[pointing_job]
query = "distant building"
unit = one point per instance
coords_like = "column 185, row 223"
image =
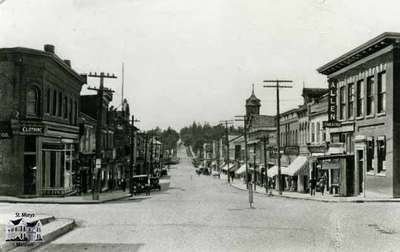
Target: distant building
column 39, row 104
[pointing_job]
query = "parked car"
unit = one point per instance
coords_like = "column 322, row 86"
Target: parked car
column 139, row 183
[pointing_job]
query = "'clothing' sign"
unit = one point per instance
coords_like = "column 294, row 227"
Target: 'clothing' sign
column 31, row 129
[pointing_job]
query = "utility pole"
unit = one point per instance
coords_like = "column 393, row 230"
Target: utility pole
column 265, row 141
column 277, row 86
column 96, row 187
column 245, row 119
column 226, row 122
column 133, row 154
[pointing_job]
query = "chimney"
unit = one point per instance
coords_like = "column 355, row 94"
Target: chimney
column 49, row 48
column 68, row 62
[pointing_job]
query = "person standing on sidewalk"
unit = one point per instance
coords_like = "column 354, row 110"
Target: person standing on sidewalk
column 313, row 183
column 322, row 182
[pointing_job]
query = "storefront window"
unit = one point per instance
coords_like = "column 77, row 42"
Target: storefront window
column 381, row 145
column 370, row 154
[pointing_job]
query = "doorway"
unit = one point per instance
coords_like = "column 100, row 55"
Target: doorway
column 360, row 163
column 30, row 174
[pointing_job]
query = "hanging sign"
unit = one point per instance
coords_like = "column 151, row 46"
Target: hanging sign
column 332, row 106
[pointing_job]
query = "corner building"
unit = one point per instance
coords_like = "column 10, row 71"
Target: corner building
column 363, row 85
column 39, row 104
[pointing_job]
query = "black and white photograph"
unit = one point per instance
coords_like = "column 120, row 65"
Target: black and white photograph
column 188, row 125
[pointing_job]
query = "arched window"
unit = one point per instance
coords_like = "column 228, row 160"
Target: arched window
column 32, row 101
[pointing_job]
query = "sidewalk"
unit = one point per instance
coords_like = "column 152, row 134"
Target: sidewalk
column 318, row 196
column 84, row 199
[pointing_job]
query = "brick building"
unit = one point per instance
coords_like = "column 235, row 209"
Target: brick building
column 364, row 114
column 39, row 104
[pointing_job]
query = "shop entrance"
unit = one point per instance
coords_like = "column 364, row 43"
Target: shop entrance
column 30, row 174
column 30, row 167
column 360, row 162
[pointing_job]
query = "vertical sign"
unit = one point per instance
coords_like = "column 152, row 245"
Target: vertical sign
column 332, row 101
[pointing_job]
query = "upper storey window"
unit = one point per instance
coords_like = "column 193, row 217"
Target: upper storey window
column 32, row 101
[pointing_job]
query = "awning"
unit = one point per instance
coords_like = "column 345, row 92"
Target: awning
column 273, row 171
column 241, row 170
column 233, row 168
column 252, row 142
column 297, row 166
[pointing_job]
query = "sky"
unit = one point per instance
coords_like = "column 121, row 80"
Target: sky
column 192, row 60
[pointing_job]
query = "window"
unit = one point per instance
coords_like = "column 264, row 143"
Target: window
column 370, row 95
column 60, row 100
column 312, row 132
column 48, row 101
column 54, row 102
column 360, row 97
column 70, row 111
column 381, row 145
column 318, row 131
column 370, row 153
column 32, row 101
column 342, row 102
column 65, row 107
column 351, row 100
column 76, row 113
column 381, row 92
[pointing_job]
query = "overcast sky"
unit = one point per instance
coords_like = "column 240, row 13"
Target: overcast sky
column 192, row 60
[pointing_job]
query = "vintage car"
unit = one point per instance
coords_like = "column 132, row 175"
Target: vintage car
column 139, row 183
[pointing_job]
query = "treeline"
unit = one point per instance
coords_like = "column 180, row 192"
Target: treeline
column 197, row 134
column 168, row 137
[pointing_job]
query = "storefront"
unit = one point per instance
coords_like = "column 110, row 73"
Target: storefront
column 49, row 157
column 339, row 172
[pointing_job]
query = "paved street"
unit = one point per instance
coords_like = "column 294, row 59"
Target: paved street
column 202, row 213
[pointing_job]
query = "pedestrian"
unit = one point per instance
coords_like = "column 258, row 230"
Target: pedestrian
column 123, row 184
column 313, row 182
column 322, row 182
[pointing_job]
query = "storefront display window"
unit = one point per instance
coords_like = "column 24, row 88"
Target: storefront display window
column 381, row 145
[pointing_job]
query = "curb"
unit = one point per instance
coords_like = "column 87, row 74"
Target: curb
column 326, row 200
column 65, row 202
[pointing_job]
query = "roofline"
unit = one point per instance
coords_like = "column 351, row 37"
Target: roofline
column 379, row 39
column 53, row 56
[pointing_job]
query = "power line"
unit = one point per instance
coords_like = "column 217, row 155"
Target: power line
column 278, row 86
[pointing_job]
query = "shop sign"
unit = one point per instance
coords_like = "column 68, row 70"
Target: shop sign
column 332, row 106
column 31, row 129
column 330, row 164
column 291, row 150
column 331, row 124
column 5, row 130
column 317, row 148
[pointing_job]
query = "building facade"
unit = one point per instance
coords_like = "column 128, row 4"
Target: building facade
column 363, row 113
column 39, row 106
